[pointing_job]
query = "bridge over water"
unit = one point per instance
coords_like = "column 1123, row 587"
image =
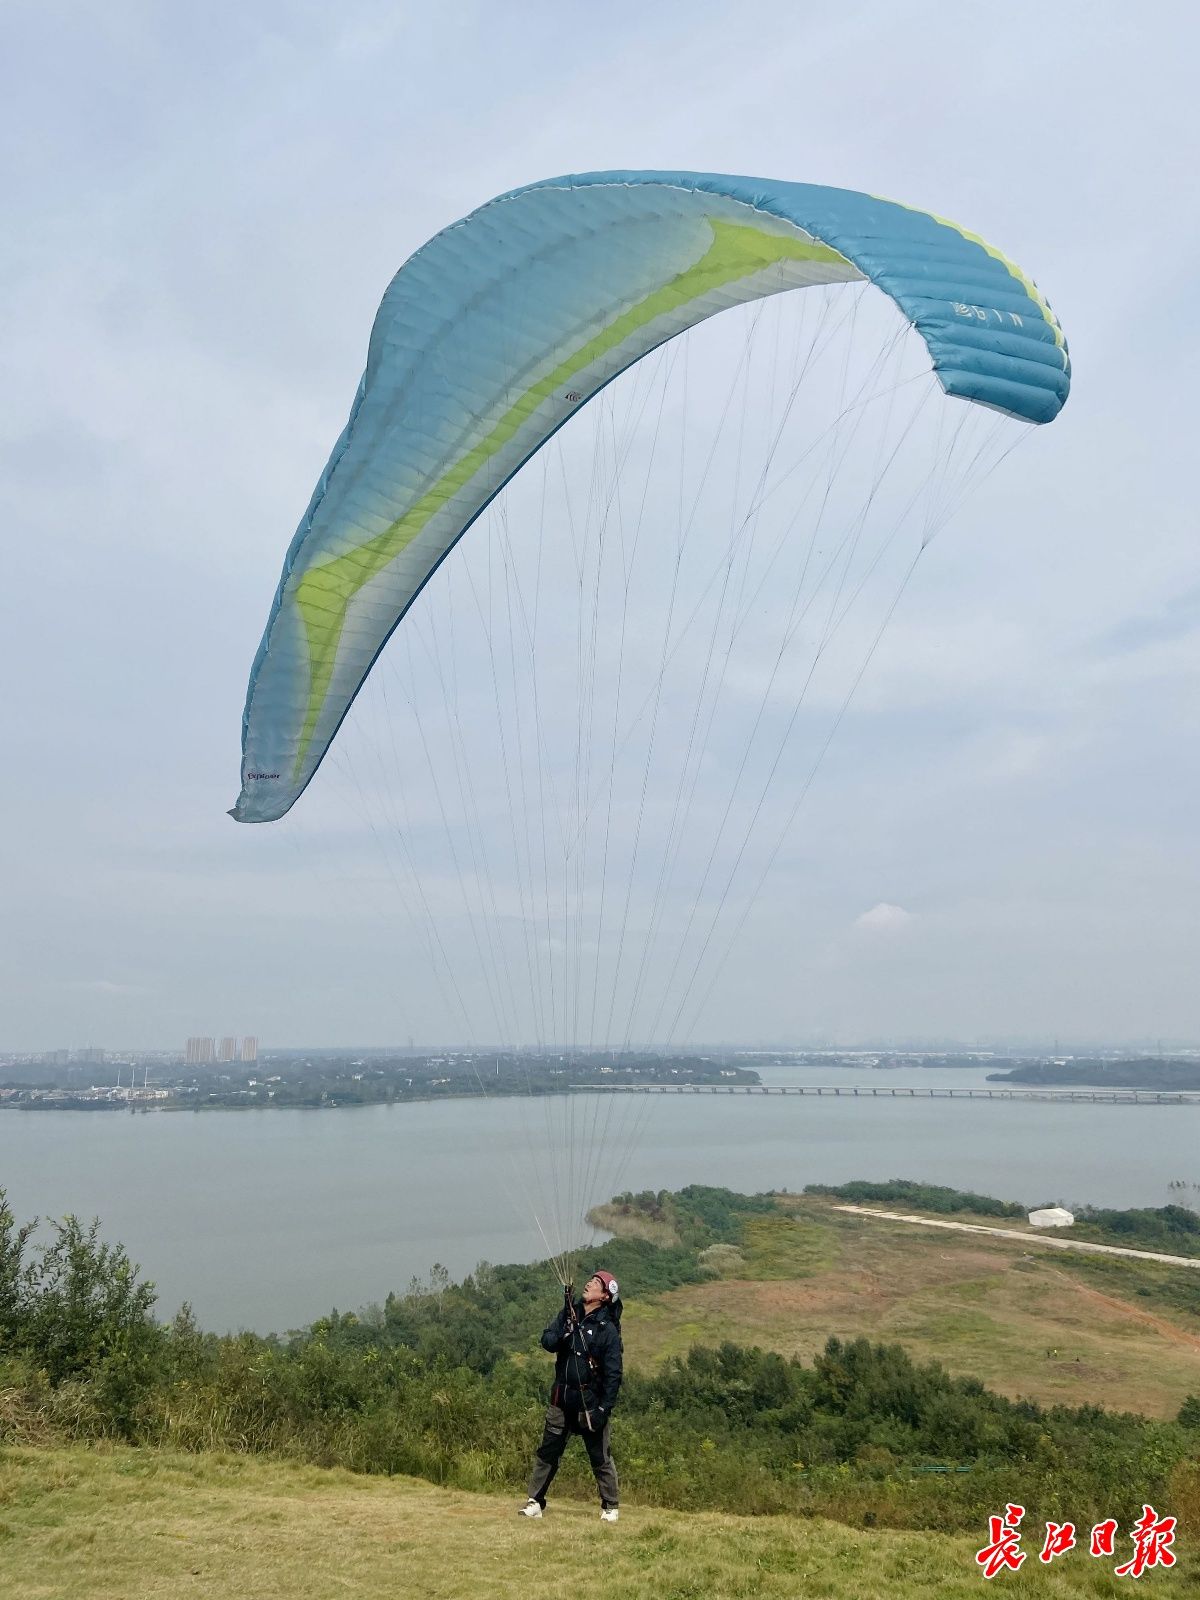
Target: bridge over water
column 845, row 1091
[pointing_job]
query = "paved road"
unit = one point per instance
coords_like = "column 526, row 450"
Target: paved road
column 1026, row 1238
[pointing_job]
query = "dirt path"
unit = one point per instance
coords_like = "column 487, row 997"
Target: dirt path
column 1147, row 1319
column 1025, row 1238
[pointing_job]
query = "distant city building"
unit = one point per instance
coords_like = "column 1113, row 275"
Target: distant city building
column 199, row 1051
column 250, row 1048
column 92, row 1053
column 227, row 1049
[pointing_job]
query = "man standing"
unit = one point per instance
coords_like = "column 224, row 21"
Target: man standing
column 585, row 1340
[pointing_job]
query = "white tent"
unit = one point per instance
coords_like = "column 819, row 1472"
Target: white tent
column 1051, row 1217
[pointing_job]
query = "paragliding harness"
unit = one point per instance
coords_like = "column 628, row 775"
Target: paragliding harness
column 557, row 1394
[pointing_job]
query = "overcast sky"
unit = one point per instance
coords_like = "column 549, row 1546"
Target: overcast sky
column 203, row 206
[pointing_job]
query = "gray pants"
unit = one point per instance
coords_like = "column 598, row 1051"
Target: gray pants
column 560, row 1425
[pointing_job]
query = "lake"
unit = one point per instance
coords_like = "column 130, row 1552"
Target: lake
column 266, row 1219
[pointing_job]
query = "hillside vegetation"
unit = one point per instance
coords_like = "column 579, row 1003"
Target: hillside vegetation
column 1051, row 1326
column 446, row 1382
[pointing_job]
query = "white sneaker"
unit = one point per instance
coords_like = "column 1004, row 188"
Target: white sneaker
column 531, row 1508
column 609, row 1514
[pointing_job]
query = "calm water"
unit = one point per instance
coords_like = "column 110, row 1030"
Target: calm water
column 266, row 1219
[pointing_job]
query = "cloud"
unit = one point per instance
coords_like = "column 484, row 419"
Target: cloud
column 884, row 918
column 1176, row 617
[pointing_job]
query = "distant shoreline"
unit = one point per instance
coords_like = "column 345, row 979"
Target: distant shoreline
column 1007, row 1091
column 1145, row 1073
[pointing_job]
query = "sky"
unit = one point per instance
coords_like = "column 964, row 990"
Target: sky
column 204, row 206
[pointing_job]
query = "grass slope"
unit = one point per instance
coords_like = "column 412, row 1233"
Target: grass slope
column 1039, row 1324
column 114, row 1524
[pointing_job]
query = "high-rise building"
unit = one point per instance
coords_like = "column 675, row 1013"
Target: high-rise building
column 199, row 1051
column 250, row 1048
column 227, row 1049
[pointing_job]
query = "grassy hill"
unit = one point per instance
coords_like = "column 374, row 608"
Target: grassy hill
column 121, row 1524
column 143, row 1459
column 1045, row 1325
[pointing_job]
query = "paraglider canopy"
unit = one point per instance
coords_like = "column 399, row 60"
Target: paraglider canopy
column 495, row 333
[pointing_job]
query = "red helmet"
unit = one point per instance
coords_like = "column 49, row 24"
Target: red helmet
column 611, row 1287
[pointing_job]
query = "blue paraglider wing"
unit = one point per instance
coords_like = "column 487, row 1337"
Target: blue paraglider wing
column 495, row 332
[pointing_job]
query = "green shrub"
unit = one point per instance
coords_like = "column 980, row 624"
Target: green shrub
column 722, row 1260
column 924, row 1196
column 1174, row 1230
column 13, row 1273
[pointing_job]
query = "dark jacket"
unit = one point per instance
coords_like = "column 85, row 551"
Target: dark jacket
column 587, row 1358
